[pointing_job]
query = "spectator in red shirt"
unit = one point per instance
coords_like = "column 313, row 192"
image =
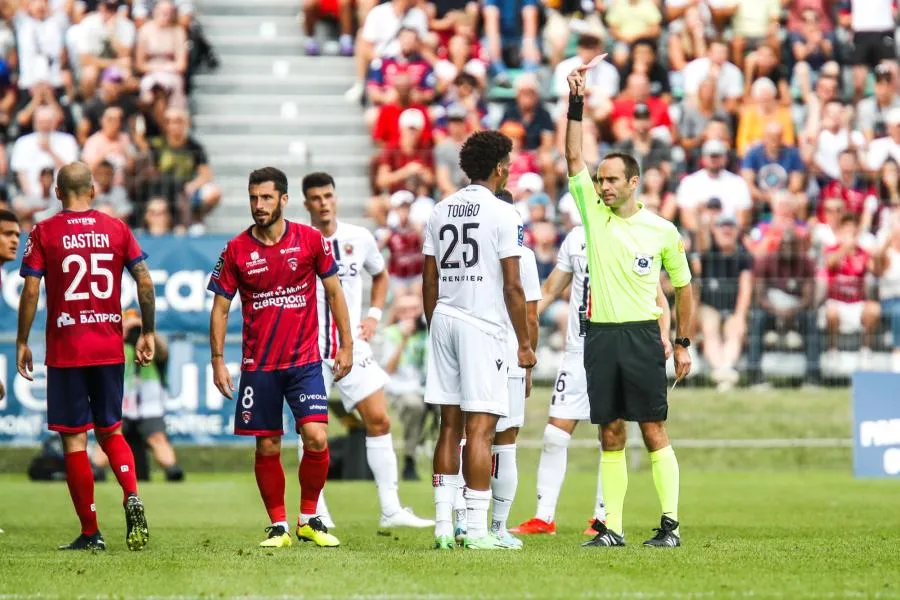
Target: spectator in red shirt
column 404, row 242
column 408, row 164
column 383, row 72
column 859, row 196
column 637, row 91
column 386, row 129
column 846, row 308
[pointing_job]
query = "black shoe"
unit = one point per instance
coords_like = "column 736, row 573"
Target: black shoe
column 409, row 469
column 174, row 473
column 275, row 531
column 665, row 534
column 605, row 536
column 86, row 542
column 136, row 532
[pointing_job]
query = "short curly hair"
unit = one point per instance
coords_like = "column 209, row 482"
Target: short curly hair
column 482, row 152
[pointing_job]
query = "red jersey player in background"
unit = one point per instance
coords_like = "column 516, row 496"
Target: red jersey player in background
column 9, row 245
column 274, row 265
column 81, row 253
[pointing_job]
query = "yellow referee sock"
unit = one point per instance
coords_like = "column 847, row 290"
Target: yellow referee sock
column 614, row 475
column 665, row 478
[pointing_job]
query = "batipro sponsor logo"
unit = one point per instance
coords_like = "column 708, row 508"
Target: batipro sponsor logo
column 91, row 318
column 64, row 320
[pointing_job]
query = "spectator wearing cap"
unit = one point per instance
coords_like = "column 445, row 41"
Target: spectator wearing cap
column 161, row 56
column 377, row 38
column 404, row 245
column 183, row 169
column 643, row 60
column 730, row 80
column 871, row 112
column 858, row 194
column 771, row 166
column 713, row 181
column 633, row 20
column 650, row 151
column 565, row 17
column 407, row 60
column 784, row 300
column 725, row 272
column 386, row 127
column 45, row 148
column 872, row 24
column 111, row 144
column 111, row 93
column 847, row 308
column 601, row 82
column 812, row 46
column 835, row 137
column 521, row 161
column 888, row 146
column 408, row 164
column 697, row 111
column 108, row 193
column 449, row 175
column 104, row 38
column 539, row 127
column 41, row 33
column 511, row 32
column 764, row 110
column 637, row 91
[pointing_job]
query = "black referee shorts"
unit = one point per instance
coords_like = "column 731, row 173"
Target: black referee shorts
column 625, row 365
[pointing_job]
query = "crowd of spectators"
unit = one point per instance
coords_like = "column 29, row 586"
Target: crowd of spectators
column 105, row 82
column 767, row 130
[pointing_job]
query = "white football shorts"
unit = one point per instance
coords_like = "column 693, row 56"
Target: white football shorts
column 364, row 379
column 569, row 399
column 466, row 367
column 516, row 388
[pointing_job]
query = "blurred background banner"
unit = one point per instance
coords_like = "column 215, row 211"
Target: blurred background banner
column 196, row 413
column 876, row 425
column 180, row 267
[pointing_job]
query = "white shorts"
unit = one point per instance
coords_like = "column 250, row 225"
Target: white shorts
column 364, row 379
column 516, row 388
column 466, row 367
column 570, row 398
column 849, row 315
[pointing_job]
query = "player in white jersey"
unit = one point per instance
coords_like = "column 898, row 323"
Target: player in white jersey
column 470, row 284
column 569, row 400
column 355, row 250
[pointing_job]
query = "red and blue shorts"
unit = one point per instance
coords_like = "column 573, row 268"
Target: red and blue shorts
column 84, row 398
column 261, row 396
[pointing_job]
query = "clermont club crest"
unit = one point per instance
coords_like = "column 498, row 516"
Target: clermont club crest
column 245, row 415
column 292, row 263
column 348, row 249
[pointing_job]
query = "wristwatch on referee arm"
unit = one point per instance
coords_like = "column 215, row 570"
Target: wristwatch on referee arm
column 683, row 342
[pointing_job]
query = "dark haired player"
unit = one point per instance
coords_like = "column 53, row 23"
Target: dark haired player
column 355, row 250
column 274, row 265
column 81, row 253
column 471, row 282
column 10, row 233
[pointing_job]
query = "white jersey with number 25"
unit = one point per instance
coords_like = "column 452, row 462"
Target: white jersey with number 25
column 469, row 233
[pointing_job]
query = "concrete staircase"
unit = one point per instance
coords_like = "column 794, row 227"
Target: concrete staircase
column 269, row 105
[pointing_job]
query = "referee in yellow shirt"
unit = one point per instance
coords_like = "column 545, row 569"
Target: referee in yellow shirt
column 623, row 352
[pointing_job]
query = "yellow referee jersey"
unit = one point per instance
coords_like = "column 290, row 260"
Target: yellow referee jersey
column 625, row 256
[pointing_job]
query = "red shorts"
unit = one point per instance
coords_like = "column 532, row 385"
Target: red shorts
column 330, row 8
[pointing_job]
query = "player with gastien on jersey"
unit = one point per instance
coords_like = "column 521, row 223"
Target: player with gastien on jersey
column 274, row 265
column 470, row 284
column 355, row 250
column 81, row 253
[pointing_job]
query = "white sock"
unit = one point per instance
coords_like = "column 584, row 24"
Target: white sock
column 599, row 507
column 445, row 488
column 282, row 524
column 459, row 503
column 551, row 471
column 383, row 462
column 346, row 38
column 504, row 481
column 321, row 507
column 304, row 519
column 477, row 503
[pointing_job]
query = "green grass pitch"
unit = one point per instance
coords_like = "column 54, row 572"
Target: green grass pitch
column 756, row 524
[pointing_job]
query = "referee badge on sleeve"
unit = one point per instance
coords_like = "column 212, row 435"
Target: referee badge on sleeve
column 642, row 263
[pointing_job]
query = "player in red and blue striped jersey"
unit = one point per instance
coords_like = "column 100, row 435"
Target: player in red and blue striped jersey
column 274, row 265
